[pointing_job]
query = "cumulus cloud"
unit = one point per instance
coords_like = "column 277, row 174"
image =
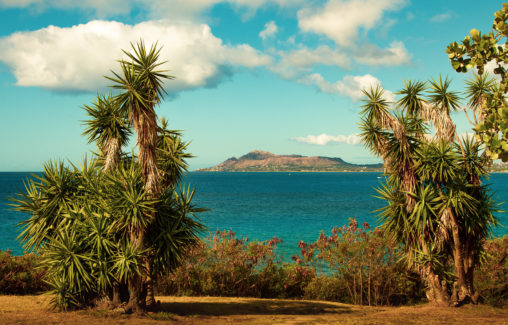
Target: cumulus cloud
column 324, row 139
column 350, row 86
column 440, row 18
column 77, row 57
column 270, row 30
column 340, row 20
column 293, row 63
column 371, row 54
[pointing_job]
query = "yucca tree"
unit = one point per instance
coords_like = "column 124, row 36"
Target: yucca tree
column 141, row 90
column 434, row 193
column 114, row 219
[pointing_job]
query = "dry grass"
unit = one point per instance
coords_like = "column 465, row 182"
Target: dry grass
column 219, row 310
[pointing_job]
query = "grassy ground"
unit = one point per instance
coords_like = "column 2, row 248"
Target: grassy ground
column 219, row 310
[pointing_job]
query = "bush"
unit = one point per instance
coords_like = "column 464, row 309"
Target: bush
column 19, row 275
column 363, row 266
column 356, row 265
column 491, row 278
column 325, row 287
column 225, row 265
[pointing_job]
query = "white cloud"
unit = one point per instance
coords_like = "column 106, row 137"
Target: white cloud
column 439, row 18
column 293, row 63
column 350, row 86
column 396, row 54
column 270, row 30
column 340, row 20
column 77, row 57
column 324, row 139
column 489, row 68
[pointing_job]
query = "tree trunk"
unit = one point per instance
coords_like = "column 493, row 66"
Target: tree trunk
column 462, row 293
column 112, row 154
column 135, row 304
column 437, row 292
column 117, row 300
column 150, row 296
column 469, row 266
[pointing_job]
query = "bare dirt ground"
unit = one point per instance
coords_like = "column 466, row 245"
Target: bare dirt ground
column 220, row 310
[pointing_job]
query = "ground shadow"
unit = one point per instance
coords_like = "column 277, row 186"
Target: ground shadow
column 254, row 307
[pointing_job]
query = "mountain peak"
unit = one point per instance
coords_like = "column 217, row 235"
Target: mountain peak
column 257, row 155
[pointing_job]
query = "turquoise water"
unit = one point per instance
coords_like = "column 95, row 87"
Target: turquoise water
column 291, row 206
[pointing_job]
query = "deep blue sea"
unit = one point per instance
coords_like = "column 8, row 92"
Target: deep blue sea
column 291, row 206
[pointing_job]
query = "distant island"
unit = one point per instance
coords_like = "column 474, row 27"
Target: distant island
column 263, row 161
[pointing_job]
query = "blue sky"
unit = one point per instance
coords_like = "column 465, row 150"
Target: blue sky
column 278, row 75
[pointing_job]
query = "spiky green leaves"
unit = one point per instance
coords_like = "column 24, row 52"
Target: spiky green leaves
column 437, row 162
column 99, row 224
column 376, row 107
column 106, row 121
column 141, row 81
column 433, row 181
column 412, row 100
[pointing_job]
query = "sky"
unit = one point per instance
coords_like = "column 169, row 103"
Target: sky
column 284, row 76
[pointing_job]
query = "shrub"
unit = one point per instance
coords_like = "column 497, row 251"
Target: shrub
column 325, row 287
column 364, row 266
column 225, row 265
column 19, row 275
column 356, row 265
column 491, row 280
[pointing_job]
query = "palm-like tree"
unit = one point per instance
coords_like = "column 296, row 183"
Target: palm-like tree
column 141, row 90
column 117, row 219
column 434, row 187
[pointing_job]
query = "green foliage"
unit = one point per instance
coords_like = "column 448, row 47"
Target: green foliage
column 355, row 265
column 98, row 225
column 436, row 205
column 106, row 121
column 228, row 266
column 365, row 265
column 19, row 275
column 486, row 96
column 492, row 276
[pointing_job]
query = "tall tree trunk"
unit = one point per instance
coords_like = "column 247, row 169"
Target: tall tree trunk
column 145, row 123
column 462, row 292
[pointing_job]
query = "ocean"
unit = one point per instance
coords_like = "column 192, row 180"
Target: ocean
column 290, row 206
